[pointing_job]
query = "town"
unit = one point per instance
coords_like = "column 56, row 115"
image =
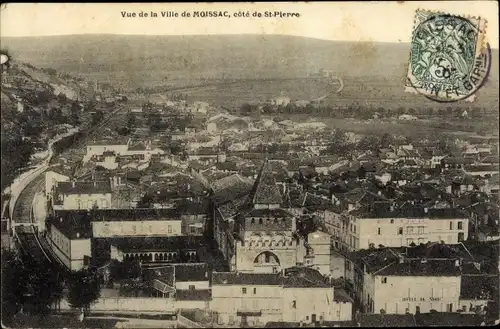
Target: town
column 187, row 212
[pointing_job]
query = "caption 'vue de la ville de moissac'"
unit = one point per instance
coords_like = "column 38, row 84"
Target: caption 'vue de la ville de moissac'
column 208, row 215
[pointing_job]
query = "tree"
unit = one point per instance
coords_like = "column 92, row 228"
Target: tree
column 84, row 289
column 13, row 286
column 130, row 120
column 97, row 117
column 46, row 287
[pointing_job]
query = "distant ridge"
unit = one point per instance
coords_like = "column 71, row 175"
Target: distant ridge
column 140, row 60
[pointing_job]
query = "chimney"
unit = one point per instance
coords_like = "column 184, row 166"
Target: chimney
column 401, row 259
column 457, row 262
column 77, row 235
column 426, row 210
column 95, row 184
column 379, row 192
column 73, row 184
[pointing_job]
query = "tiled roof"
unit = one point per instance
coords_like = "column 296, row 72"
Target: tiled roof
column 265, row 190
column 73, row 224
column 193, row 295
column 100, row 187
column 386, row 320
column 448, row 319
column 230, row 278
column 416, row 267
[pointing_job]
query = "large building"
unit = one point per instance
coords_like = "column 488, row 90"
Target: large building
column 383, row 224
column 418, row 280
column 70, row 239
column 294, row 295
column 252, row 229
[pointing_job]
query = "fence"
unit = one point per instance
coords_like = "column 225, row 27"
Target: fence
column 130, row 304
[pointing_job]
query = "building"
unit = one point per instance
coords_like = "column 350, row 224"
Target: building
column 424, row 279
column 295, row 295
column 69, row 237
column 319, row 244
column 81, row 195
column 384, row 224
column 110, row 223
column 55, row 175
column 155, row 249
column 252, row 230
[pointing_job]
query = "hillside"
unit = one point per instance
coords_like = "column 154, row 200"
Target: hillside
column 373, row 72
column 32, row 112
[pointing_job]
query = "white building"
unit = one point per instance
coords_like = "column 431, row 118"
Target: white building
column 69, row 239
column 405, row 226
column 292, row 296
column 81, row 195
column 136, row 222
column 397, row 284
column 53, row 176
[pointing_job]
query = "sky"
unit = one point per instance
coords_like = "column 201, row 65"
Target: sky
column 375, row 21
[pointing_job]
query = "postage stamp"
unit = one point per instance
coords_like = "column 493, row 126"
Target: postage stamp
column 449, row 58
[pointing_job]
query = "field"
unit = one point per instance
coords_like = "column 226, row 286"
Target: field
column 420, row 128
column 373, row 73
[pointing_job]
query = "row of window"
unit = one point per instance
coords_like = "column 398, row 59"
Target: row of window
column 415, row 229
column 269, row 220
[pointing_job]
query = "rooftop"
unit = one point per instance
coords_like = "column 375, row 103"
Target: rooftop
column 81, row 187
column 73, row 224
column 265, row 190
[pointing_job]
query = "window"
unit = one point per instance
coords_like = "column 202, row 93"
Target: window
column 392, row 221
column 294, row 304
column 409, row 230
column 254, row 291
column 354, row 228
column 348, row 265
column 260, row 220
column 191, row 287
column 451, row 225
column 243, row 291
column 464, row 308
column 384, row 280
column 450, row 307
column 252, row 221
column 307, row 317
column 460, row 226
column 169, row 229
column 379, row 231
column 400, row 231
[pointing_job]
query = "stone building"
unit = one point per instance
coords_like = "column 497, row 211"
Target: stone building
column 252, row 229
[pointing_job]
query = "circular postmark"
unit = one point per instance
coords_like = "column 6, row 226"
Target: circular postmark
column 447, row 61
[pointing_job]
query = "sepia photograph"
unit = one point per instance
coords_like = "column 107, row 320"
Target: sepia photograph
column 250, row 165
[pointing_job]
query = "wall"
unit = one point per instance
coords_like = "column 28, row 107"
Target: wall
column 61, row 246
column 199, row 285
column 408, row 292
column 245, row 256
column 342, row 311
column 227, row 300
column 131, row 304
column 321, row 245
column 79, row 249
column 435, row 230
column 137, row 228
column 308, row 301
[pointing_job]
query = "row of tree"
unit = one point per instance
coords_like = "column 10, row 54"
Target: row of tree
column 36, row 287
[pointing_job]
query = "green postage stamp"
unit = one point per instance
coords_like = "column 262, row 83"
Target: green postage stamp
column 449, row 58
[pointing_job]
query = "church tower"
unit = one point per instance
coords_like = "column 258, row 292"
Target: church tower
column 267, row 230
